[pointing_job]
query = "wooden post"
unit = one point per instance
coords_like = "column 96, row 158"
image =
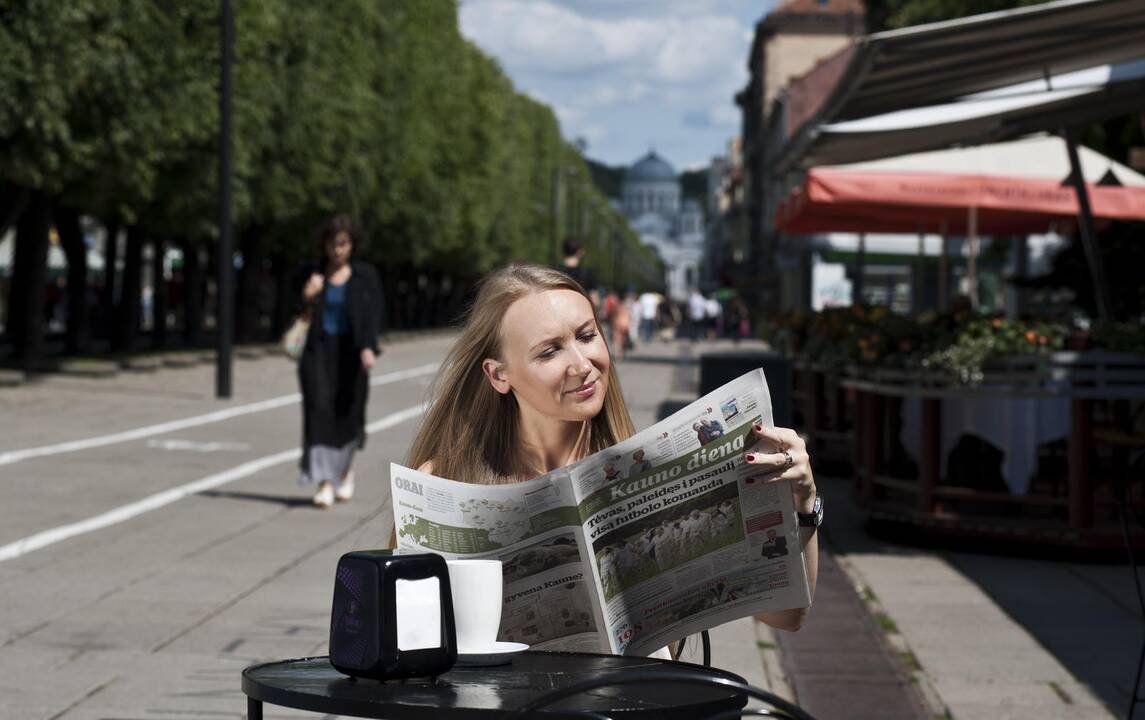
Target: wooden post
column 919, row 274
column 943, row 274
column 972, row 256
column 1085, row 229
column 858, row 441
column 872, row 436
column 818, row 403
column 930, row 463
column 1080, row 447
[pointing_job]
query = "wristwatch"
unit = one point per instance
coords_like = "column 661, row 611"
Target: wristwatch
column 813, row 518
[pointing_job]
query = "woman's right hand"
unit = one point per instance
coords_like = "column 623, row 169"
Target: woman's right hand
column 313, row 286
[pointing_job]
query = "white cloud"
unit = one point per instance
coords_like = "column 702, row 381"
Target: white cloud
column 624, row 74
column 541, row 35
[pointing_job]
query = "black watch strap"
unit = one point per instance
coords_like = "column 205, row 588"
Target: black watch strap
column 813, row 518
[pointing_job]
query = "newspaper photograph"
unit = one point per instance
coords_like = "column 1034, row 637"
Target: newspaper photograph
column 660, row 536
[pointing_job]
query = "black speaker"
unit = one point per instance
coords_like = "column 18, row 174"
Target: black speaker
column 364, row 621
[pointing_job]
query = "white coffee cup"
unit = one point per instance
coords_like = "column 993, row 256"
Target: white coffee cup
column 476, row 588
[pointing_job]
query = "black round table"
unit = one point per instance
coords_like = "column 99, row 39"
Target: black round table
column 494, row 692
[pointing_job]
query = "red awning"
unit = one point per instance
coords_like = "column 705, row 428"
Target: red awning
column 898, row 196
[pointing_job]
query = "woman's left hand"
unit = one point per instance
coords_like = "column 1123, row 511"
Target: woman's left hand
column 368, row 359
column 784, row 458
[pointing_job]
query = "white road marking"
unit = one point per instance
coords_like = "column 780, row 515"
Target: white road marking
column 177, row 444
column 14, row 456
column 166, row 497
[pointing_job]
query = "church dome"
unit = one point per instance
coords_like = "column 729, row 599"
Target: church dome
column 650, row 168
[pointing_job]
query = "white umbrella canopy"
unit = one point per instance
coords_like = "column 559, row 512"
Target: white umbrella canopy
column 1038, row 156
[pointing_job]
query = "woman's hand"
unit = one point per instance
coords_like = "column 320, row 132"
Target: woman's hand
column 313, row 286
column 368, row 359
column 784, row 458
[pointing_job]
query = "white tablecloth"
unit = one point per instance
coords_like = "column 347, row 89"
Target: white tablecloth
column 1016, row 426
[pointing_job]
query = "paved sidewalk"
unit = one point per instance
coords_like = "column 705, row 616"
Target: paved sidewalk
column 976, row 660
column 839, row 665
column 153, row 618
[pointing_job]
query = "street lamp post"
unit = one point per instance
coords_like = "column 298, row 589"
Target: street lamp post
column 556, row 209
column 558, row 196
column 226, row 269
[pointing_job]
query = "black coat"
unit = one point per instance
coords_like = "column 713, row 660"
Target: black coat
column 365, row 304
column 335, row 386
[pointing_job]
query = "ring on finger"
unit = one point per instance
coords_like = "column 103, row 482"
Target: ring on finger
column 788, row 461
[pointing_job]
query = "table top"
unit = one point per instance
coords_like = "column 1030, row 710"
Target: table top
column 313, row 684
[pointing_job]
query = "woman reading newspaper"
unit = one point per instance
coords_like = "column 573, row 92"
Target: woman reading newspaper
column 530, row 387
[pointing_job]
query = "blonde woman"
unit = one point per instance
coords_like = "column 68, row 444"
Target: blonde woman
column 530, row 387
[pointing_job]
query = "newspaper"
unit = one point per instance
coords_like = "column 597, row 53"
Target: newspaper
column 656, row 538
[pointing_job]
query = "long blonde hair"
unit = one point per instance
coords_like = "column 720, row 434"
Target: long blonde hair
column 470, row 430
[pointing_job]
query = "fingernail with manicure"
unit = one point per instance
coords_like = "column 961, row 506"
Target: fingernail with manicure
column 750, row 457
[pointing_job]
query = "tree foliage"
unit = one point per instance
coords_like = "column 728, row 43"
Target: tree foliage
column 384, row 110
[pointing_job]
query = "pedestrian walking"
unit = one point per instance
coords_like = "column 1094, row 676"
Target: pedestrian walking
column 713, row 317
column 529, row 387
column 739, row 319
column 633, row 314
column 697, row 314
column 649, row 314
column 572, row 266
column 619, row 319
column 344, row 301
column 671, row 320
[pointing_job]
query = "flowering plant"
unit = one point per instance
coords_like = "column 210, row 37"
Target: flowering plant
column 983, row 339
column 959, row 344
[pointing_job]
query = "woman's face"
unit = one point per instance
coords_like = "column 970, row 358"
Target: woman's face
column 338, row 248
column 553, row 357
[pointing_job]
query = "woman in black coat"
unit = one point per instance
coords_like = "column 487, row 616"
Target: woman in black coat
column 344, row 300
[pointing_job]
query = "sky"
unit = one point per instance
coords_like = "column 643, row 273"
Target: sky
column 627, row 76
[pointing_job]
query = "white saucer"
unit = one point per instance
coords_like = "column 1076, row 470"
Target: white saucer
column 500, row 654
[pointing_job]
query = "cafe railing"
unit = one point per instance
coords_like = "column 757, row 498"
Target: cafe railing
column 860, row 411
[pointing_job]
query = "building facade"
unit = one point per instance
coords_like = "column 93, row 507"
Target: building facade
column 789, row 43
column 650, row 199
column 726, row 249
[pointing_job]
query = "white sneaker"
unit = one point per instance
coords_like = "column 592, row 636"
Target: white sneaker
column 345, row 491
column 324, row 498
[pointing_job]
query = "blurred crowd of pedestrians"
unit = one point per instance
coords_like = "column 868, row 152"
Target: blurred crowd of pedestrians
column 630, row 318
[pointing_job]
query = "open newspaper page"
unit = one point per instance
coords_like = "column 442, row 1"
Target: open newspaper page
column 682, row 538
column 533, row 528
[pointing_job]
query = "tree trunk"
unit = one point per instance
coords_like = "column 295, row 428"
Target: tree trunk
column 192, row 295
column 110, row 260
column 12, row 203
column 72, row 241
column 211, row 287
column 29, row 277
column 249, row 285
column 158, row 294
column 284, row 299
column 127, row 312
column 14, row 200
